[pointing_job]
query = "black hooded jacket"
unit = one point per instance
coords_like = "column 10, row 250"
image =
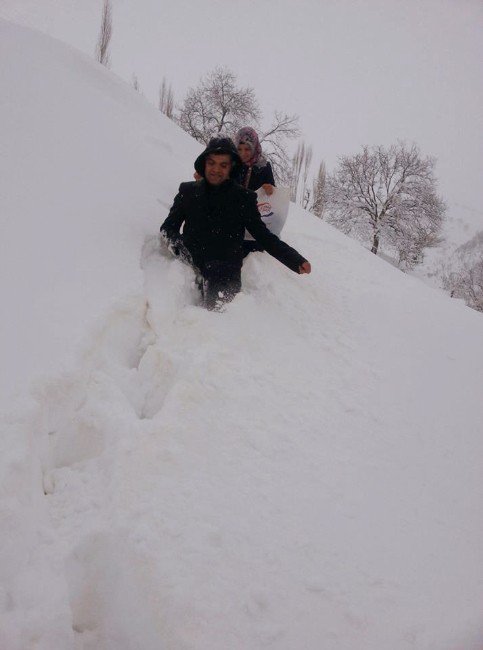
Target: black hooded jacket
column 216, row 145
column 215, row 218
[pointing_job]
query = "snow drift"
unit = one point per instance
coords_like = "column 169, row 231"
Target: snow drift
column 301, row 471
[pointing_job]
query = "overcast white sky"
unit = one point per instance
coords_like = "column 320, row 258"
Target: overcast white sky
column 357, row 72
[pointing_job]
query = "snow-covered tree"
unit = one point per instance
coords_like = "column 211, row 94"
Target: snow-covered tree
column 309, row 194
column 105, row 33
column 166, row 99
column 135, row 82
column 387, row 197
column 301, row 162
column 318, row 191
column 463, row 275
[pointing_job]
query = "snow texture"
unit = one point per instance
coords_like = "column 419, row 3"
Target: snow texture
column 302, row 471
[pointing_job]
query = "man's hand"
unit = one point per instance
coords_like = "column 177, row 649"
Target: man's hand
column 174, row 245
column 305, row 268
column 268, row 189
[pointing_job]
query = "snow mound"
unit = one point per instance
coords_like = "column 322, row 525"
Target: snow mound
column 301, row 471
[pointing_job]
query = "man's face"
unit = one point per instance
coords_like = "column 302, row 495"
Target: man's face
column 217, row 168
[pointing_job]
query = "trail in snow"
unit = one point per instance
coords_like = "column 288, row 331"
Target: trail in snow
column 105, row 423
column 95, row 418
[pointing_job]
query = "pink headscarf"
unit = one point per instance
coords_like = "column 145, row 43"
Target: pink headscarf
column 249, row 136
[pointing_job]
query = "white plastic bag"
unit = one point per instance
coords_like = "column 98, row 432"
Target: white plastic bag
column 273, row 209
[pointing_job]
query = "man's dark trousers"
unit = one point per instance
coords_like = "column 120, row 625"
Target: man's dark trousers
column 218, row 280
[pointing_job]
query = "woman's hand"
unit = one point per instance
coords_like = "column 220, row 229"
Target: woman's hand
column 268, row 189
column 305, row 268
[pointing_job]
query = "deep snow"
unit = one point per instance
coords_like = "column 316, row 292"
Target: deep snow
column 301, row 471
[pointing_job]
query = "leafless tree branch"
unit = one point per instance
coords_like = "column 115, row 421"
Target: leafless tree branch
column 217, row 106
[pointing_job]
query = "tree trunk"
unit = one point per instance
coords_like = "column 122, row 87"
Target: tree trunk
column 375, row 242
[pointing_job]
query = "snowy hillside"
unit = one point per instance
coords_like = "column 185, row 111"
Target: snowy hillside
column 300, row 472
column 87, row 169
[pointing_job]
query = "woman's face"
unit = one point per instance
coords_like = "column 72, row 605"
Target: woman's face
column 244, row 152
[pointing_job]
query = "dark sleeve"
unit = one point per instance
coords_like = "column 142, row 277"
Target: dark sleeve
column 270, row 242
column 240, row 177
column 173, row 222
column 269, row 175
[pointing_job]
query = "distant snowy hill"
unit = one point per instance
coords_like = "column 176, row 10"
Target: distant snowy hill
column 302, row 471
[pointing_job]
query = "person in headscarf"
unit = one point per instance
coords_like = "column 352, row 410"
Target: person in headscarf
column 256, row 171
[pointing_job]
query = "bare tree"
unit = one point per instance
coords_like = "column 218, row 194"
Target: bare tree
column 216, row 106
column 284, row 127
column 463, row 275
column 387, row 196
column 467, row 283
column 166, row 99
column 105, row 33
column 135, row 82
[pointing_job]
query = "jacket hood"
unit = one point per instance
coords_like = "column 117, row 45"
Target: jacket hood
column 219, row 145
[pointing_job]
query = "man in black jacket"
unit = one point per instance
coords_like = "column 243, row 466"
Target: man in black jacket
column 215, row 212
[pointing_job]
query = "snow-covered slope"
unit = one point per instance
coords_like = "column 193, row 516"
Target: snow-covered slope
column 302, row 471
column 87, row 168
